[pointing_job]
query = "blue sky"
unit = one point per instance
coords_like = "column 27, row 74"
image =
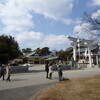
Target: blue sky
column 44, row 23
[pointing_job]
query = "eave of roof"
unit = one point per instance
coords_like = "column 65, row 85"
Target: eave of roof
column 52, row 58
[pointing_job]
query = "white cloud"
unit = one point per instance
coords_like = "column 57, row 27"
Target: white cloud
column 53, row 40
column 96, row 14
column 96, row 2
column 55, row 9
column 17, row 20
column 17, row 12
column 84, row 30
column 38, row 39
column 29, row 36
column 14, row 17
column 77, row 28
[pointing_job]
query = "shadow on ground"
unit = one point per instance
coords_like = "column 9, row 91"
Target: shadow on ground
column 23, row 93
column 13, row 80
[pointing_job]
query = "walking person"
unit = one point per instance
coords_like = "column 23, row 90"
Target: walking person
column 2, row 74
column 50, row 70
column 8, row 72
column 60, row 73
column 47, row 69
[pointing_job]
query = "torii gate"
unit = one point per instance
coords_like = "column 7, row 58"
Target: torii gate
column 81, row 42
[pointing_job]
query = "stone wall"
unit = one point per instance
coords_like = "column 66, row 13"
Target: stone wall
column 17, row 69
column 64, row 67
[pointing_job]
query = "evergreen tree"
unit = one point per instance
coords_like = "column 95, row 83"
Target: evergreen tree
column 9, row 48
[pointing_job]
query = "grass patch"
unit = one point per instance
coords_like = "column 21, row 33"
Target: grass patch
column 77, row 89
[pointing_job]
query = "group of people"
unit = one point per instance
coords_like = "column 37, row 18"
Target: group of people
column 5, row 70
column 49, row 70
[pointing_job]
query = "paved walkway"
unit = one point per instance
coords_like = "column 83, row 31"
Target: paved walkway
column 24, row 85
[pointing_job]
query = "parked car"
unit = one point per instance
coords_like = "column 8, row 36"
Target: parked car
column 27, row 64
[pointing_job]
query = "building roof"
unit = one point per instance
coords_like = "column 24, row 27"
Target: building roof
column 91, row 48
column 30, row 54
column 42, row 57
column 52, row 58
column 75, row 39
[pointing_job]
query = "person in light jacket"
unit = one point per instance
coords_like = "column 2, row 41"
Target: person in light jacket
column 50, row 70
column 8, row 72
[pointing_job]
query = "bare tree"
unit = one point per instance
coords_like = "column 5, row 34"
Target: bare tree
column 93, row 27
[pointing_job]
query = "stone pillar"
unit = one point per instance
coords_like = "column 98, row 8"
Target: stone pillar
column 99, row 54
column 74, row 52
column 90, row 58
column 85, row 53
column 97, row 60
column 78, row 44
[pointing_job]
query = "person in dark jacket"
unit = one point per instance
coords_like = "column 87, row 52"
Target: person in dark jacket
column 60, row 73
column 2, row 74
column 47, row 69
